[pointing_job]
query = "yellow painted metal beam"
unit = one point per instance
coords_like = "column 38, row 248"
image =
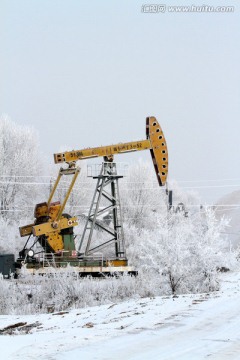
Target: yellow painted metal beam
column 77, row 171
column 75, row 155
column 54, row 226
column 54, row 187
column 155, row 142
column 26, row 230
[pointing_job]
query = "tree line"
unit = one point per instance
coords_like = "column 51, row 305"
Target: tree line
column 172, row 252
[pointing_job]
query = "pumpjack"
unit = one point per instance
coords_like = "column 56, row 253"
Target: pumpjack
column 53, row 229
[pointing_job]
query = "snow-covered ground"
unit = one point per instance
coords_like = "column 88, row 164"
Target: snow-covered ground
column 204, row 326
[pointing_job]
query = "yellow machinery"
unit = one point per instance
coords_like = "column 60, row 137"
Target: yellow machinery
column 155, row 142
column 53, row 229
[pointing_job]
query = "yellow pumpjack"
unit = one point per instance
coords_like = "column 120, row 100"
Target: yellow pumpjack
column 53, row 229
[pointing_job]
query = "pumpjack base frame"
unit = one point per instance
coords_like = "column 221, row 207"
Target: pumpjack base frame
column 84, row 271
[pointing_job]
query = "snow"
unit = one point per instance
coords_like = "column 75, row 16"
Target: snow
column 197, row 326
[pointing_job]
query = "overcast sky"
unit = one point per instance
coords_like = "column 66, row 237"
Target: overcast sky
column 87, row 73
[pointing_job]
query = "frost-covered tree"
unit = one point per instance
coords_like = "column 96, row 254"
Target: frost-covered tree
column 183, row 254
column 173, row 253
column 19, row 168
column 20, row 188
column 141, row 196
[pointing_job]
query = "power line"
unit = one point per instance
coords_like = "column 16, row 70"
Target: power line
column 178, row 181
column 210, row 180
column 215, row 208
column 144, row 188
column 28, row 176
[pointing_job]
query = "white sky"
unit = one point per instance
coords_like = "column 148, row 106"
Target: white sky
column 88, row 73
